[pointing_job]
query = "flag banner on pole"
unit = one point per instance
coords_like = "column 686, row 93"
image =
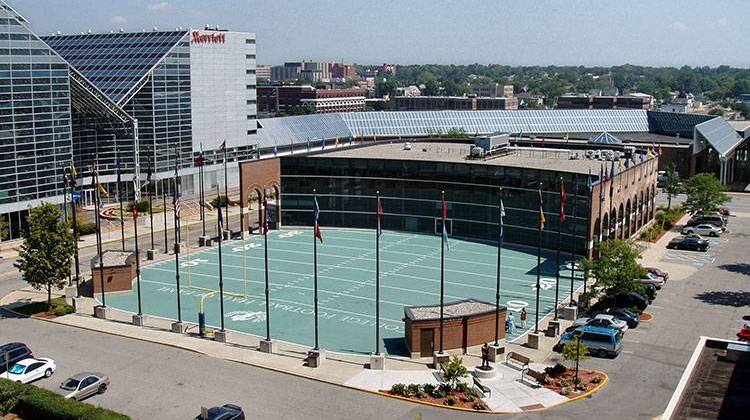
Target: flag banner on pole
column 135, row 212
column 542, row 220
column 351, row 140
column 649, row 153
column 221, row 220
column 275, row 150
column 660, row 150
column 562, row 201
column 619, row 165
column 445, row 230
column 136, row 188
column 502, row 227
column 612, row 171
column 223, row 146
column 316, row 217
column 589, row 183
column 265, row 214
column 73, row 170
column 337, row 141
column 101, row 189
column 380, row 215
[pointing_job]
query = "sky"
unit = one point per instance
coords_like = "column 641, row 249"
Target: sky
column 522, row 32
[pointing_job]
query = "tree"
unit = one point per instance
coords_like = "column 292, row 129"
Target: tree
column 704, row 193
column 48, row 245
column 455, row 370
column 671, row 184
column 569, row 350
column 3, row 229
column 616, row 268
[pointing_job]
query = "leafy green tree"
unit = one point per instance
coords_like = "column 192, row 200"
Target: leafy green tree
column 3, row 229
column 671, row 184
column 454, row 371
column 48, row 245
column 616, row 268
column 569, row 351
column 705, row 193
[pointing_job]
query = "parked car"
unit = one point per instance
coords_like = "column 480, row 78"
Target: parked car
column 694, row 243
column 225, row 412
column 660, row 273
column 712, row 219
column 601, row 342
column 631, row 300
column 623, row 314
column 653, row 279
column 28, row 370
column 15, row 352
column 599, row 320
column 705, row 229
column 744, row 334
column 83, row 385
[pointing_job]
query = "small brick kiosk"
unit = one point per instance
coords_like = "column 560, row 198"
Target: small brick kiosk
column 466, row 323
column 119, row 271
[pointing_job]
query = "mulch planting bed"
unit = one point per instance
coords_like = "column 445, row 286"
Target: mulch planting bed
column 563, row 384
column 461, row 400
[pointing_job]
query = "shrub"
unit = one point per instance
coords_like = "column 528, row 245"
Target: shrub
column 412, row 390
column 564, row 382
column 445, row 388
column 581, row 387
column 220, row 201
column 439, row 392
column 399, row 389
column 450, row 401
column 141, row 205
column 556, row 370
column 462, row 387
column 86, row 228
column 455, row 370
column 577, row 381
column 468, row 398
column 479, row 406
column 428, row 388
column 30, row 402
column 596, row 379
column 565, row 391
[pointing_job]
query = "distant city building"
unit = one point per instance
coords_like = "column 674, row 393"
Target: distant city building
column 389, row 69
column 494, row 90
column 263, row 73
column 433, row 103
column 603, row 102
column 684, row 103
column 385, row 70
column 410, row 91
column 273, row 100
column 312, row 71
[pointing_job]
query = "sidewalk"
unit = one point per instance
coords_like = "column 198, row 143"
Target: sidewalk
column 509, row 394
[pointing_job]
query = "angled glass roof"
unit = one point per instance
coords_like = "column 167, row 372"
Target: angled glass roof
column 720, row 135
column 604, row 138
column 115, row 62
column 297, row 129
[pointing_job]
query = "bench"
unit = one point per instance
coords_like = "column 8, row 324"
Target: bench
column 519, row 358
column 486, row 391
column 540, row 377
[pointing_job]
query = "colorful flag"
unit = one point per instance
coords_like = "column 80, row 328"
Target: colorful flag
column 445, row 231
column 337, row 141
column 223, row 146
column 73, row 170
column 619, row 165
column 380, row 216
column 562, row 201
column 135, row 212
column 649, row 153
column 136, row 188
column 101, row 189
column 316, row 217
column 176, row 193
column 275, row 150
column 660, row 151
column 542, row 220
column 351, row 140
column 502, row 227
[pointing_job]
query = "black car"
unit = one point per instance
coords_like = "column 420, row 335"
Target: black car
column 15, row 352
column 622, row 314
column 694, row 243
column 710, row 219
column 225, row 412
column 631, row 300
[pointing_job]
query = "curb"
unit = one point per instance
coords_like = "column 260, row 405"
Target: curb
column 584, row 395
column 432, row 404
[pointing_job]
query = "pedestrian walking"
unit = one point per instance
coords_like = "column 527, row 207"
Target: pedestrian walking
column 523, row 317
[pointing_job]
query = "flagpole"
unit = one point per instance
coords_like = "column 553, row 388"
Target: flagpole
column 573, row 243
column 221, row 272
column 588, row 229
column 538, row 260
column 202, row 195
column 442, row 269
column 65, row 212
column 137, row 256
column 175, row 202
column 75, row 230
column 601, row 200
column 226, row 191
column 559, row 244
column 95, row 176
column 150, row 197
column 315, row 274
column 164, row 183
column 265, row 266
column 377, row 276
column 119, row 197
column 499, row 264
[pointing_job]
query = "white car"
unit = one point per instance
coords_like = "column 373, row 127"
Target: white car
column 703, row 230
column 602, row 320
column 652, row 278
column 28, row 370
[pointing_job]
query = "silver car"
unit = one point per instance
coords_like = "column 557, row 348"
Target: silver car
column 83, row 385
column 703, row 229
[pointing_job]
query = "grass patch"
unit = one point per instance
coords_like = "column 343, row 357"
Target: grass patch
column 58, row 307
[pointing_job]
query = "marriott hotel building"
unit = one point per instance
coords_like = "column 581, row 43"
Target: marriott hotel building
column 134, row 97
